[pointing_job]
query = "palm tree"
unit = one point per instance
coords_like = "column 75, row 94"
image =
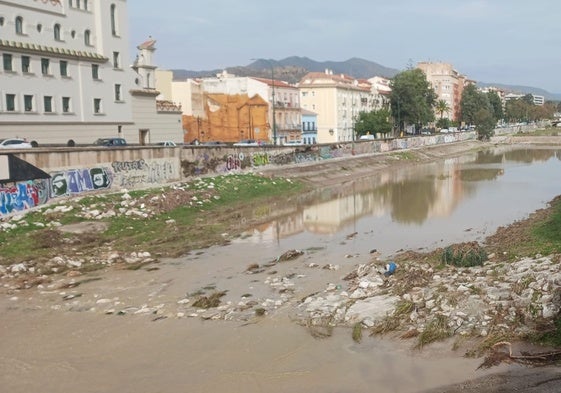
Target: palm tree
column 441, row 107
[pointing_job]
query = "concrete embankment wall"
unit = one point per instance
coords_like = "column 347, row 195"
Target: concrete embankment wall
column 76, row 171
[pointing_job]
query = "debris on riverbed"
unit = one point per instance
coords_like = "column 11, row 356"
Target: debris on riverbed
column 289, row 255
column 211, row 301
column 498, row 355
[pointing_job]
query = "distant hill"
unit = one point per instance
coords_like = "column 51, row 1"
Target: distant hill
column 293, row 68
column 524, row 90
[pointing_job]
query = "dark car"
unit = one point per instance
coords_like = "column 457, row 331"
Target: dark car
column 214, row 143
column 110, row 142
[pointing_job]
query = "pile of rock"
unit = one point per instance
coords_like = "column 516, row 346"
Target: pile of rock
column 496, row 297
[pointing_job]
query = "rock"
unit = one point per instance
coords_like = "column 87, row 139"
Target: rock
column 376, row 308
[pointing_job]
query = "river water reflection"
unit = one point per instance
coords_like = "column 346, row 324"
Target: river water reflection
column 425, row 206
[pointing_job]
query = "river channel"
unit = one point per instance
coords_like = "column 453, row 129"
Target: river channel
column 48, row 345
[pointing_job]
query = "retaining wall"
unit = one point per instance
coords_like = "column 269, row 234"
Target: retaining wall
column 76, row 171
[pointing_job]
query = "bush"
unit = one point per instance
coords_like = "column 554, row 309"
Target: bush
column 464, row 255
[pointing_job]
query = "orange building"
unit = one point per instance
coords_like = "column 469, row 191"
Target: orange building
column 229, row 118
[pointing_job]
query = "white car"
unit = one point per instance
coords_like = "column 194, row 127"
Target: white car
column 166, row 144
column 14, row 143
column 247, row 142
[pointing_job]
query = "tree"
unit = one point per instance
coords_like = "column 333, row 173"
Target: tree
column 412, row 98
column 496, row 105
column 372, row 122
column 472, row 101
column 517, row 110
column 485, row 123
column 442, row 107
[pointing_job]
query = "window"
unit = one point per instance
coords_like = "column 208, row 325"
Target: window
column 7, row 61
column 10, row 102
column 66, row 104
column 87, row 38
column 70, row 3
column 39, row 27
column 19, row 25
column 113, row 19
column 63, row 68
column 95, row 72
column 28, row 102
column 25, row 64
column 116, row 60
column 86, row 5
column 117, row 92
column 45, row 63
column 57, row 32
column 97, row 105
column 48, row 104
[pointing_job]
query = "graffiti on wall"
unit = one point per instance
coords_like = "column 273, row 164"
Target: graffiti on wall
column 23, row 196
column 77, row 181
column 130, row 174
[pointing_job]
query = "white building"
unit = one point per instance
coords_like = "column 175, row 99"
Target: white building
column 65, row 72
column 337, row 100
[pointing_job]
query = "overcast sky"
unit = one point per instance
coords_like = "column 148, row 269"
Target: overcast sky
column 516, row 42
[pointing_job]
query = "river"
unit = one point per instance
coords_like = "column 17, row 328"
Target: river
column 52, row 345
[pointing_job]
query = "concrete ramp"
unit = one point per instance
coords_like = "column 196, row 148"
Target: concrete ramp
column 14, row 169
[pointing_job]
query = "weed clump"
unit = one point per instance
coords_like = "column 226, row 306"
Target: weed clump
column 436, row 330
column 464, row 255
column 210, row 301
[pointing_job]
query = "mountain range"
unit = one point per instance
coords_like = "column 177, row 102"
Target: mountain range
column 293, row 68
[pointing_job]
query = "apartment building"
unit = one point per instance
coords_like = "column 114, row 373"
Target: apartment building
column 66, row 76
column 448, row 85
column 337, row 100
column 536, row 99
column 381, row 90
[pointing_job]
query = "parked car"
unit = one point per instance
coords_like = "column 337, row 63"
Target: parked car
column 247, row 142
column 367, row 137
column 166, row 144
column 214, row 143
column 110, row 142
column 14, row 143
column 293, row 143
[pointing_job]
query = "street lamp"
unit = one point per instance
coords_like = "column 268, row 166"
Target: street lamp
column 273, row 99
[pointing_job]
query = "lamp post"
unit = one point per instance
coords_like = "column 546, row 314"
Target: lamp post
column 273, row 99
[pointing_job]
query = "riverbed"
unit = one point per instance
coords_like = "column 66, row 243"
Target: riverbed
column 137, row 330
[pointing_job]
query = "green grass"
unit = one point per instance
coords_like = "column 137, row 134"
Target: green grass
column 210, row 207
column 547, row 235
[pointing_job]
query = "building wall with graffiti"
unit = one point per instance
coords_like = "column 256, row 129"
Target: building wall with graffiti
column 200, row 162
column 89, row 170
column 65, row 182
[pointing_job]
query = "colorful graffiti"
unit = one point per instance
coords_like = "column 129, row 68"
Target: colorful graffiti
column 76, row 181
column 23, row 196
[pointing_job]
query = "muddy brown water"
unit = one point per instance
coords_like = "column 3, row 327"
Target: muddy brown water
column 48, row 344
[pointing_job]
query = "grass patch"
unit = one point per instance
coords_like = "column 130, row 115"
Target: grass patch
column 357, row 332
column 547, row 234
column 464, row 255
column 404, row 155
column 165, row 221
